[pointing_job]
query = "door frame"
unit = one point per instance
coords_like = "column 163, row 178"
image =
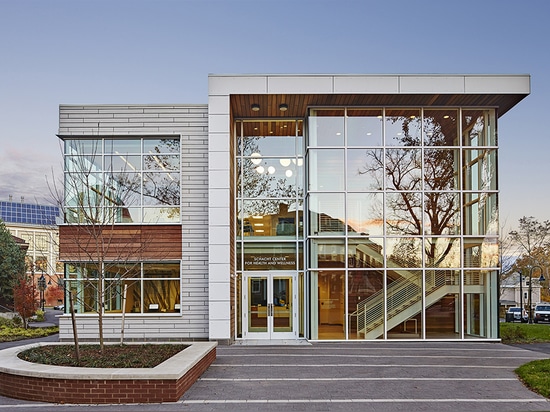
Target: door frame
column 270, row 276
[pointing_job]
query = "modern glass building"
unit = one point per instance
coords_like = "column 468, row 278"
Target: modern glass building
column 319, row 207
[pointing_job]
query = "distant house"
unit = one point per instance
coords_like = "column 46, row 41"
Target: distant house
column 512, row 293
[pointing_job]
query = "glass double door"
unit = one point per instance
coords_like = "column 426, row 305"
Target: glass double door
column 269, row 306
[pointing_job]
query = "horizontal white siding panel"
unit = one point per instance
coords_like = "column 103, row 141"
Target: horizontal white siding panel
column 190, row 123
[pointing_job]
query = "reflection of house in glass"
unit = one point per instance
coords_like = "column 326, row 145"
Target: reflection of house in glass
column 368, row 201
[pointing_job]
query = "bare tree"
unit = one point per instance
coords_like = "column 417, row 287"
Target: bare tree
column 420, row 186
column 95, row 199
column 532, row 241
column 530, row 236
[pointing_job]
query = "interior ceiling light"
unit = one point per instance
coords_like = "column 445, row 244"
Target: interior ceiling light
column 256, row 158
column 255, row 107
column 284, row 162
column 271, row 170
column 288, row 173
column 260, row 169
column 283, row 107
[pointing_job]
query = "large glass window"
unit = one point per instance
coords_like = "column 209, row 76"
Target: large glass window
column 403, row 127
column 326, row 128
column 402, row 216
column 364, row 127
column 269, row 225
column 150, row 287
column 478, row 127
column 269, row 179
column 122, row 180
column 326, row 169
column 365, row 170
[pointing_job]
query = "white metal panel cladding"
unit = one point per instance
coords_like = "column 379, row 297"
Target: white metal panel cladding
column 190, row 123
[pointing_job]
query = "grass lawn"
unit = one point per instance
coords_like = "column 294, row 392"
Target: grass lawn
column 536, row 374
column 524, row 333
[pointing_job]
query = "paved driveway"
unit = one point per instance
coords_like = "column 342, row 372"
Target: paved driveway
column 369, row 376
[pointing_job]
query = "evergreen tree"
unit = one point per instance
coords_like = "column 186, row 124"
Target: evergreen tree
column 12, row 265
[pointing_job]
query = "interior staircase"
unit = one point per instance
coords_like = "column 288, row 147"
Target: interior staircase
column 404, row 299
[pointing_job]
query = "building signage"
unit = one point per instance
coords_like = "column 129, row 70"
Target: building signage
column 270, row 262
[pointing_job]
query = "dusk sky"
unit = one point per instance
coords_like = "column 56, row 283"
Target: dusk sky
column 159, row 51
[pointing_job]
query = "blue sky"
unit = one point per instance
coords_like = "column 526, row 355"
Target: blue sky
column 160, row 51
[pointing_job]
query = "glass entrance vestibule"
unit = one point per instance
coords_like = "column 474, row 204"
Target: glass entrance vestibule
column 368, row 223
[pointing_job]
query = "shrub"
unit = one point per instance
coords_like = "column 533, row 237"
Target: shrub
column 11, row 322
column 17, row 321
column 40, row 315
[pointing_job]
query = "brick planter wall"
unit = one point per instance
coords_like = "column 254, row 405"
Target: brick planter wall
column 101, row 391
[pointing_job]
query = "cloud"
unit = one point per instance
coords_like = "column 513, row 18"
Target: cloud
column 26, row 173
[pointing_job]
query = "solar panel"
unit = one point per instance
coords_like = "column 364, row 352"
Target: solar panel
column 26, row 213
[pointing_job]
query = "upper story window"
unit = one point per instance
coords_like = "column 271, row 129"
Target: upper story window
column 118, row 180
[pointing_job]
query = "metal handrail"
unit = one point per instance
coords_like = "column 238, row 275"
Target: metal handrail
column 402, row 294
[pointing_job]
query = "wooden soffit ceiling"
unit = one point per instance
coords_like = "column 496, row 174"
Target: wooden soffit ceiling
column 241, row 104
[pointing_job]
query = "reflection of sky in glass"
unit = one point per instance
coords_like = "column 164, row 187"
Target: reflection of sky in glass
column 326, row 169
column 269, row 146
column 123, row 146
column 363, row 171
column 365, row 213
column 326, row 131
column 364, row 131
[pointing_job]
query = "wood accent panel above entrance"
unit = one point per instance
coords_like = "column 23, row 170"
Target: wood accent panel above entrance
column 297, row 104
column 140, row 242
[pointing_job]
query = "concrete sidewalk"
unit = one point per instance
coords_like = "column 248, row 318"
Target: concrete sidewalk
column 365, row 376
column 377, row 376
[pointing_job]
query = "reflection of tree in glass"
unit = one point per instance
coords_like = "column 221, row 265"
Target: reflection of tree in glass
column 408, row 214
column 262, row 185
column 161, row 173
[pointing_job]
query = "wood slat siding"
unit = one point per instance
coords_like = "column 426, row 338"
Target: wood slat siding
column 121, row 242
column 190, row 123
column 298, row 103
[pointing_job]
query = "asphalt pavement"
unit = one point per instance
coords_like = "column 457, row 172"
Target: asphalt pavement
column 351, row 376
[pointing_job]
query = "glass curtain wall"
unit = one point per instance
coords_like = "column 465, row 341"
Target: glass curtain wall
column 269, row 192
column 402, row 223
column 122, row 180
